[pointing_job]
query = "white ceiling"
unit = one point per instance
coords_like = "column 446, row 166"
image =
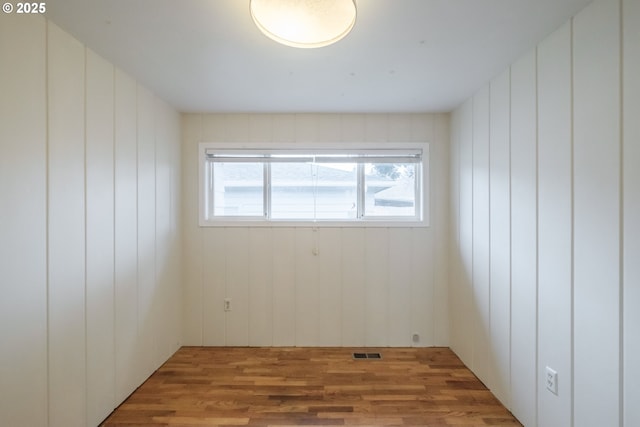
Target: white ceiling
column 402, row 55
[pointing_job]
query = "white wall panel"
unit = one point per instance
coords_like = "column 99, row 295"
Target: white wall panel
column 400, row 127
column 439, row 148
column 147, row 282
column 284, row 129
column 307, row 287
column 192, row 313
column 126, row 231
column 523, row 239
column 260, row 128
column 67, row 315
column 376, row 128
column 464, row 336
column 100, row 301
column 424, row 299
column 236, row 127
column 596, row 38
column 328, row 127
column 455, row 262
column 555, row 226
column 353, row 287
column 377, row 287
column 163, row 314
column 175, row 273
column 500, row 237
column 214, row 273
column 352, row 127
column 284, row 287
column 631, row 185
column 260, row 287
column 173, row 243
column 23, row 220
column 480, row 239
column 431, row 127
column 330, row 282
column 400, row 287
column 237, row 286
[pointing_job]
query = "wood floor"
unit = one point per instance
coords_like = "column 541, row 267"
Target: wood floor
column 311, row 386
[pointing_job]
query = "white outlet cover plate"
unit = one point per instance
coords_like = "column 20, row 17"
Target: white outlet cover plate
column 551, row 380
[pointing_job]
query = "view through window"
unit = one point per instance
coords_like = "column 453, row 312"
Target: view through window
column 312, row 185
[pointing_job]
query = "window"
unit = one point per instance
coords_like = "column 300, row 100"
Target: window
column 331, row 186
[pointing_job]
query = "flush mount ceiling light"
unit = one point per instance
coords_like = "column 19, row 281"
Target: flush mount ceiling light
column 304, row 23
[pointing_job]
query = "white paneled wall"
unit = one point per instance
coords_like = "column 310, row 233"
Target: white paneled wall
column 128, row 376
column 555, row 227
column 480, row 234
column 87, row 309
column 596, row 216
column 563, row 215
column 366, row 287
column 480, row 239
column 523, row 238
column 66, row 237
column 100, row 260
column 500, row 237
column 631, row 213
column 23, row 221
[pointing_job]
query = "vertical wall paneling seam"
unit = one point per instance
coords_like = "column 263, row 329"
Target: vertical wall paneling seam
column 573, row 217
column 387, row 307
column 621, row 188
column 138, row 356
column 458, row 219
column 411, row 314
column 113, row 287
column 366, row 287
column 387, row 322
column 248, row 284
column 46, row 94
column 341, row 299
column 223, row 235
column 295, row 269
column 248, row 267
column 434, row 285
column 273, row 282
column 490, row 336
column 537, row 180
column 458, row 253
column 156, row 290
column 201, row 237
column 86, row 244
column 510, row 244
column 474, row 308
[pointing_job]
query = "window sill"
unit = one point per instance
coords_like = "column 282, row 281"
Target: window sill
column 314, row 224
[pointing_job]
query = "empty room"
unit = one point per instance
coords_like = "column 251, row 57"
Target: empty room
column 320, row 212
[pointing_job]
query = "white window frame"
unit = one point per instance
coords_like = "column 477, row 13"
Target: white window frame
column 422, row 178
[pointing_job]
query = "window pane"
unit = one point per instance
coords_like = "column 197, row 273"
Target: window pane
column 313, row 191
column 238, row 189
column 390, row 189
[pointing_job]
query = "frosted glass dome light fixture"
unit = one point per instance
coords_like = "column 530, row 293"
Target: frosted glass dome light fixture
column 304, row 23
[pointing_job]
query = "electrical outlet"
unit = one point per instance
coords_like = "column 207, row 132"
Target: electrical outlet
column 415, row 338
column 227, row 304
column 551, row 378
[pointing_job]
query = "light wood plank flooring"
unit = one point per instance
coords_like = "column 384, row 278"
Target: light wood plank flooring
column 311, row 386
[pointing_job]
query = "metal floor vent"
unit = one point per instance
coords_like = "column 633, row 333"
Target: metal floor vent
column 367, row 356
